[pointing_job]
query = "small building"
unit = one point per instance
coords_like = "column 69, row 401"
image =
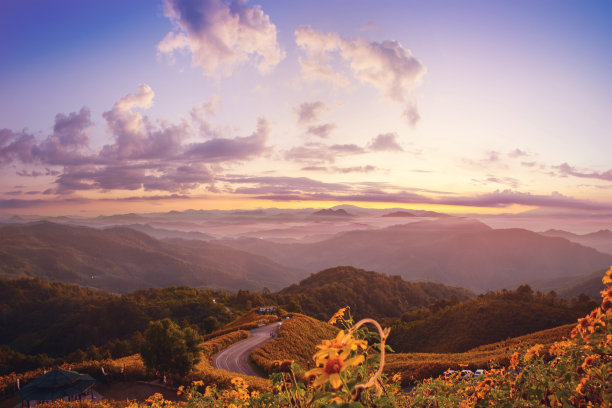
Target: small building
column 57, row 385
column 267, row 310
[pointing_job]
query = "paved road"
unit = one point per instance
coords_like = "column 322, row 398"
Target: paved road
column 235, row 358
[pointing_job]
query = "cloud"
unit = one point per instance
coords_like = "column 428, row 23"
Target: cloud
column 309, row 112
column 518, row 153
column 316, row 65
column 16, row 146
column 136, row 138
column 355, row 169
column 322, row 131
column 36, row 173
column 283, row 185
column 385, row 142
column 220, row 36
column 149, row 176
column 69, row 140
column 145, row 154
column 386, row 65
column 496, row 199
column 343, row 170
column 202, row 112
column 567, row 170
column 239, row 148
column 316, row 153
column 370, row 26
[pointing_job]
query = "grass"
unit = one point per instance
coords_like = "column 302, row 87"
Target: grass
column 296, row 340
column 418, row 366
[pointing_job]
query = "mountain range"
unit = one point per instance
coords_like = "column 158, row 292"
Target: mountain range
column 454, row 251
column 121, row 259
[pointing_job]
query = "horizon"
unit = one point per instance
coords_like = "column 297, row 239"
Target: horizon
column 484, row 109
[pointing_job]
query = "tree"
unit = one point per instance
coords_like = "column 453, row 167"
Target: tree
column 170, row 349
column 294, row 306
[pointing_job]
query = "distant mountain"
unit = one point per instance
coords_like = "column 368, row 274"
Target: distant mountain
column 334, row 213
column 400, row 214
column 600, row 240
column 120, row 259
column 590, row 285
column 454, row 251
column 161, row 233
column 369, row 294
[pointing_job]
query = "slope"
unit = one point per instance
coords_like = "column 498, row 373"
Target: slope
column 369, row 294
column 453, row 251
column 120, row 259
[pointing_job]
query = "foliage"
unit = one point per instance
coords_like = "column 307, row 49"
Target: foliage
column 483, row 320
column 575, row 372
column 170, row 349
column 367, row 293
column 89, row 328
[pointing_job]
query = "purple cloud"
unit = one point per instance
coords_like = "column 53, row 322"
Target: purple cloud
column 239, row 148
column 322, row 131
column 386, row 65
column 309, row 112
column 567, row 170
column 16, row 146
column 385, row 142
column 518, row 153
column 220, row 36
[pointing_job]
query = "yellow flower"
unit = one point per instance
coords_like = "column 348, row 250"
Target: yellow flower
column 397, row 377
column 607, row 279
column 331, row 365
column 341, row 342
column 198, row 383
column 534, row 351
column 337, row 315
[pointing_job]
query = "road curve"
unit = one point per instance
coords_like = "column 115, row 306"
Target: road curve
column 235, row 358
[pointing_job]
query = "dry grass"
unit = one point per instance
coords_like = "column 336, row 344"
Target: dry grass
column 296, row 340
column 417, row 366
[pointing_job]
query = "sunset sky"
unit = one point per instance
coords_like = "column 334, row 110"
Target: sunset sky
column 463, row 106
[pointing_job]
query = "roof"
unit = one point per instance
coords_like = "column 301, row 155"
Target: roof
column 56, row 384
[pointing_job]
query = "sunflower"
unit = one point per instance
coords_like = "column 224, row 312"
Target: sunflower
column 331, row 365
column 344, row 342
column 337, row 315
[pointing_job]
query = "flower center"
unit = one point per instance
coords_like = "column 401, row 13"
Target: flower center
column 333, row 365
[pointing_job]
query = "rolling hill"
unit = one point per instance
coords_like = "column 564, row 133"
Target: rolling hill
column 121, row 259
column 369, row 294
column 483, row 320
column 454, row 251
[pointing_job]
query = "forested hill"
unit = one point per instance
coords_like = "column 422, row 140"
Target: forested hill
column 56, row 318
column 495, row 316
column 369, row 294
column 121, row 259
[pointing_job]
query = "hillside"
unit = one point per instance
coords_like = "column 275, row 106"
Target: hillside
column 297, row 340
column 57, row 319
column 483, row 320
column 453, row 251
column 600, row 240
column 369, row 294
column 120, row 259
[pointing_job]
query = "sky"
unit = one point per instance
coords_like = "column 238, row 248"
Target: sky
column 482, row 107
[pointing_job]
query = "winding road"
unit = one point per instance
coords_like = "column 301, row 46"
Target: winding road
column 235, row 358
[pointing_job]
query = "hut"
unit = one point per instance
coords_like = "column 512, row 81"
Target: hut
column 57, row 385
